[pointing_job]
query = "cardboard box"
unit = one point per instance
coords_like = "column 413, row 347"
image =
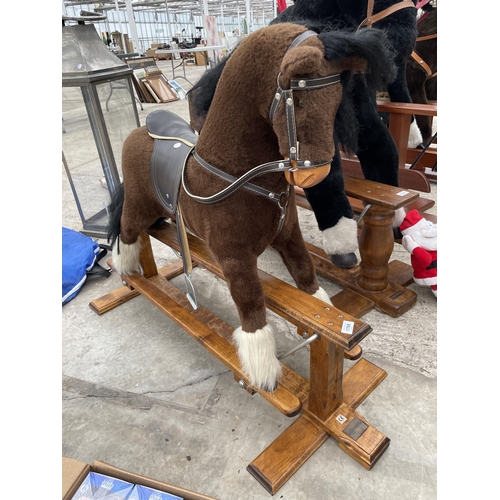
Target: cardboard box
column 201, row 58
column 74, row 472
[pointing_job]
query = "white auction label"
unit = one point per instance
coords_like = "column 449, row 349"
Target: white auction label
column 402, row 193
column 347, row 327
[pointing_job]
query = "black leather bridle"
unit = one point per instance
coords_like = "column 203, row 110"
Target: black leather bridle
column 292, row 163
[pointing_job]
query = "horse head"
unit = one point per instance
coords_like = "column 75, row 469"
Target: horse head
column 303, row 112
column 308, row 85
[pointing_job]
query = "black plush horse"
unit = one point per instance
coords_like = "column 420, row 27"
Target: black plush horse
column 358, row 126
column 421, row 71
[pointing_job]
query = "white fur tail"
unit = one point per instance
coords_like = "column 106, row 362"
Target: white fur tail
column 127, row 261
column 257, row 353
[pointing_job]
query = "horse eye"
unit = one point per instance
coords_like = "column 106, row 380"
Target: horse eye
column 301, row 104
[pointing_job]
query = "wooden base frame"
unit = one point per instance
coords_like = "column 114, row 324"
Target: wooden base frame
column 326, row 402
column 381, row 282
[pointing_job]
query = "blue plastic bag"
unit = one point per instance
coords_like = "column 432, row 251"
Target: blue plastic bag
column 79, row 255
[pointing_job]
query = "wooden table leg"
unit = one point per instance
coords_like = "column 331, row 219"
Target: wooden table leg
column 376, row 244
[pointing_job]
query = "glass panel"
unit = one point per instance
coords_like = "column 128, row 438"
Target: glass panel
column 82, row 157
column 119, row 115
column 81, row 149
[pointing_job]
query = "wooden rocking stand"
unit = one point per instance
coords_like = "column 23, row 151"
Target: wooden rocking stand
column 379, row 281
column 326, row 402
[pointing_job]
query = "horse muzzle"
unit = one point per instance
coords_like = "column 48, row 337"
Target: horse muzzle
column 306, row 177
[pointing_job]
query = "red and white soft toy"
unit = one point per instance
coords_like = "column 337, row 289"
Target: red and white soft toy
column 420, row 240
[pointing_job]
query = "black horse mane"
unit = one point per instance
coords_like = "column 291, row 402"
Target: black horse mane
column 368, row 44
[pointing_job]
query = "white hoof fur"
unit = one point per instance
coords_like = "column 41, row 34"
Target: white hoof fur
column 341, row 238
column 415, row 137
column 257, row 353
column 127, row 261
column 399, row 216
column 322, row 295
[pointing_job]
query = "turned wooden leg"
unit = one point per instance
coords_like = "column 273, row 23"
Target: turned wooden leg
column 376, row 244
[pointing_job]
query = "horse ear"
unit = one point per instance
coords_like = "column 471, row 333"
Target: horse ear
column 301, row 61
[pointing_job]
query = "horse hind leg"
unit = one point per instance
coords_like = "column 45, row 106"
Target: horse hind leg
column 126, row 257
column 125, row 227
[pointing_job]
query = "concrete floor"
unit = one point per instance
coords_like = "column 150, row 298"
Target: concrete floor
column 142, row 395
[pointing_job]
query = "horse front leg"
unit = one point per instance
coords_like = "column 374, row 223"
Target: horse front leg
column 334, row 216
column 255, row 338
column 297, row 259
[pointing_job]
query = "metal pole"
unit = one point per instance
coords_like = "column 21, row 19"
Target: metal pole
column 132, row 27
column 205, row 15
column 168, row 24
column 247, row 5
column 308, row 341
column 125, row 49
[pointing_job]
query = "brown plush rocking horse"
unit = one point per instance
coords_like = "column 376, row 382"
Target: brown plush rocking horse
column 271, row 120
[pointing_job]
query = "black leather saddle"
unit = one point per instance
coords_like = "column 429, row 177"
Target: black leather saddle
column 174, row 139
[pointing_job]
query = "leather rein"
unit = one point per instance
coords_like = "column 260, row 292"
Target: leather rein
column 373, row 18
column 291, row 164
column 415, row 55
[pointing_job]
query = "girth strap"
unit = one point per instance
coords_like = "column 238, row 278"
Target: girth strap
column 373, row 18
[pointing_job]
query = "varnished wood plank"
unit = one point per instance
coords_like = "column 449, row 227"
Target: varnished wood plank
column 428, row 159
column 295, row 383
column 357, row 305
column 375, row 193
column 407, row 108
column 327, row 268
column 124, row 294
column 284, row 299
column 394, row 300
column 408, row 179
column 400, row 273
column 352, row 303
column 325, row 373
column 313, row 314
column 112, row 299
column 367, row 448
column 360, row 381
column 281, row 398
column 279, row 461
